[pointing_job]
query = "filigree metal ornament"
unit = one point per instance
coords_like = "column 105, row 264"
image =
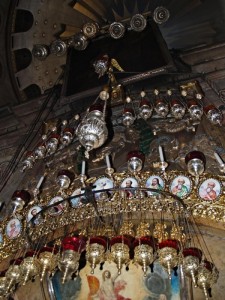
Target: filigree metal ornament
column 135, row 161
column 138, row 22
column 40, row 51
column 58, row 47
column 116, row 30
column 161, row 14
column 79, row 42
column 64, row 178
column 52, row 143
column 67, row 136
column 90, row 29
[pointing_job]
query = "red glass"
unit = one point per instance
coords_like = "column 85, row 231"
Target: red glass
column 137, row 154
column 209, row 107
column 21, row 194
column 208, row 265
column 146, row 240
column 170, row 243
column 174, row 102
column 130, row 110
column 120, row 239
column 30, row 253
column 157, row 101
column 70, row 130
column 98, row 107
column 191, row 103
column 16, row 261
column 195, row 154
column 98, row 240
column 54, row 136
column 144, row 102
column 53, row 250
column 192, row 252
column 74, row 243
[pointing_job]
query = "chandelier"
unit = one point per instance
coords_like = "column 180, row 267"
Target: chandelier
column 135, row 217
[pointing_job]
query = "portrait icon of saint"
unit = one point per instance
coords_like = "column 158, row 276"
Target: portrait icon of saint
column 102, row 183
column 58, row 208
column 154, row 182
column 33, row 215
column 210, row 189
column 129, row 184
column 181, row 186
column 77, row 194
column 13, row 228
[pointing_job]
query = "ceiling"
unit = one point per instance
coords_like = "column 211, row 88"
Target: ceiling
column 192, row 24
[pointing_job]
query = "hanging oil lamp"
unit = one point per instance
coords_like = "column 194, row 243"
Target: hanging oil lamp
column 145, row 108
column 29, row 266
column 72, row 247
column 52, row 143
column 135, row 161
column 92, row 131
column 40, row 150
column 3, row 285
column 206, row 276
column 67, row 136
column 47, row 257
column 195, row 110
column 20, row 198
column 120, row 248
column 191, row 260
column 213, row 114
column 177, row 109
column 64, row 178
column 28, row 162
column 14, row 274
column 95, row 251
column 161, row 107
column 168, row 254
column 195, row 161
column 144, row 252
column 128, row 117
